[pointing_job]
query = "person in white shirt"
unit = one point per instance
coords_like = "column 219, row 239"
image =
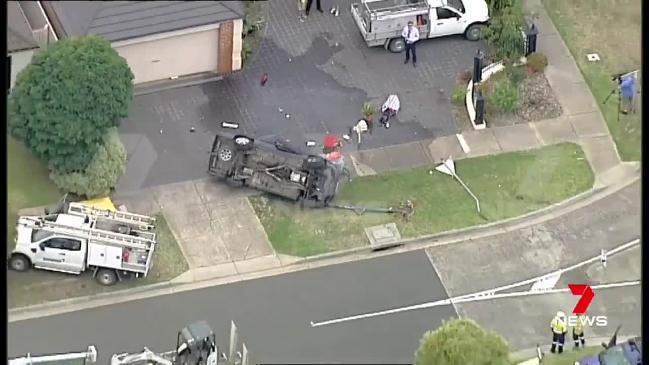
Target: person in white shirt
column 411, row 35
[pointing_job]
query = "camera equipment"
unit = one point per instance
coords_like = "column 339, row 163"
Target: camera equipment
column 618, row 78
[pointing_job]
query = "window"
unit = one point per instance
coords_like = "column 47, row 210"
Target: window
column 457, row 4
column 38, row 235
column 445, row 14
column 63, row 244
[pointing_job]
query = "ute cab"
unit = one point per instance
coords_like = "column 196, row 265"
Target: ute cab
column 47, row 250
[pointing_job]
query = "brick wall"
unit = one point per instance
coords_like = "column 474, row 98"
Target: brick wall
column 225, row 47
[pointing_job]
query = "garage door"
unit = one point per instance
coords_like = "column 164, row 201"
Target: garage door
column 178, row 55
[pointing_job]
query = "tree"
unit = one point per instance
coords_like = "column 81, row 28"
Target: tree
column 461, row 342
column 504, row 35
column 103, row 172
column 67, row 97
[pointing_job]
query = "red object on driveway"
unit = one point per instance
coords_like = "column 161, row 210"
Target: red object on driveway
column 331, row 141
column 264, row 79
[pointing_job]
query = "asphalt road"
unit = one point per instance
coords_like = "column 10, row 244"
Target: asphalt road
column 273, row 315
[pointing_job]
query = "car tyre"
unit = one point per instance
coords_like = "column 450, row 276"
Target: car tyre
column 231, row 182
column 313, row 162
column 106, row 277
column 473, row 32
column 397, row 45
column 242, row 142
column 225, row 154
column 19, row 263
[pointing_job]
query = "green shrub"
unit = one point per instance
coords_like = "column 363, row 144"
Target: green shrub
column 101, row 175
column 503, row 35
column 515, row 74
column 496, row 6
column 537, row 62
column 459, row 95
column 504, row 96
column 66, row 99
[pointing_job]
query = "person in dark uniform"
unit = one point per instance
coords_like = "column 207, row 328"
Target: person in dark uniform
column 559, row 330
column 578, row 333
column 308, row 6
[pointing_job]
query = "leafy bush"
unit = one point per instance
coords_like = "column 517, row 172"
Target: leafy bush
column 496, row 6
column 67, row 97
column 253, row 23
column 462, row 341
column 368, row 110
column 537, row 61
column 504, row 96
column 459, row 95
column 101, row 175
column 503, row 35
column 515, row 74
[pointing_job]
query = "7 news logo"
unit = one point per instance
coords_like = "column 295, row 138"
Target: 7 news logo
column 587, row 295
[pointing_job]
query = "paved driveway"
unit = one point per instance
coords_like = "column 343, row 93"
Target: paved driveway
column 320, row 73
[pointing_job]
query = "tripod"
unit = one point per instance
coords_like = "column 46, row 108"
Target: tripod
column 619, row 101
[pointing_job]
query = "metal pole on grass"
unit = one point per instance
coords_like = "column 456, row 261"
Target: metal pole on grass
column 448, row 167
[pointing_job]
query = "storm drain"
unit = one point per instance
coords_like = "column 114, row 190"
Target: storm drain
column 383, row 236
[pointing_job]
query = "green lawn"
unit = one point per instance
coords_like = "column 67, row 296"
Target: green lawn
column 507, row 185
column 28, row 184
column 570, row 355
column 585, row 27
column 38, row 286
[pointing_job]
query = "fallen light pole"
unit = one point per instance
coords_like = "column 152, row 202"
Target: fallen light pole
column 448, row 167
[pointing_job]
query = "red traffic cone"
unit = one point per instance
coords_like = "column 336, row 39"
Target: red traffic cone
column 264, row 79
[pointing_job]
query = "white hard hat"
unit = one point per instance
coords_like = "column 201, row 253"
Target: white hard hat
column 561, row 314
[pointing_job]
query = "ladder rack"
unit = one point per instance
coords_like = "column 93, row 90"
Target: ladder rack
column 142, row 221
column 100, row 235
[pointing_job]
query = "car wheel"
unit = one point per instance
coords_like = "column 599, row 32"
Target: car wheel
column 243, row 143
column 473, row 32
column 314, row 162
column 397, row 45
column 106, row 277
column 19, row 263
column 225, row 154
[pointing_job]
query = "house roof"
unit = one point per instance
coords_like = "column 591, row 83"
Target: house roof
column 19, row 33
column 121, row 20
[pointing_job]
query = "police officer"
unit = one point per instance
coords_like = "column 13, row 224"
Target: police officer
column 578, row 333
column 559, row 330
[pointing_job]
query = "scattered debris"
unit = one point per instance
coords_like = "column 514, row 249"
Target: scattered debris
column 264, row 79
column 230, row 125
column 346, row 137
column 288, row 116
column 173, row 78
column 161, row 132
column 593, row 57
column 289, row 60
column 310, row 143
column 192, row 130
column 280, row 110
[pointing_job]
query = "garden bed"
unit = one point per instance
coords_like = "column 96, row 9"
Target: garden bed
column 512, row 96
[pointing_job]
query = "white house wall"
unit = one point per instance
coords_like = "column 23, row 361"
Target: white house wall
column 19, row 60
column 159, row 58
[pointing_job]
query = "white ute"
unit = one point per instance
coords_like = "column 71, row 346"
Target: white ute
column 113, row 244
column 382, row 21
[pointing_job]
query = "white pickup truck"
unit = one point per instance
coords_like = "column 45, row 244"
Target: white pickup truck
column 382, row 21
column 112, row 244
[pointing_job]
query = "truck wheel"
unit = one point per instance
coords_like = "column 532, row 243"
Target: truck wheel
column 225, row 154
column 397, row 45
column 243, row 143
column 106, row 277
column 19, row 262
column 314, row 163
column 473, row 32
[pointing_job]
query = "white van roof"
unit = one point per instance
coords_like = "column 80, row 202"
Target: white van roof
column 70, row 220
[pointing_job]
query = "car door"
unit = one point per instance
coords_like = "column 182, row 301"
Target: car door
column 55, row 254
column 448, row 22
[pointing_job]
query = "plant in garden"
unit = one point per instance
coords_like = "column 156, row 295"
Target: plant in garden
column 537, row 62
column 496, row 6
column 103, row 172
column 503, row 35
column 253, row 23
column 459, row 94
column 504, row 96
column 66, row 99
column 368, row 111
column 515, row 74
column 460, row 342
